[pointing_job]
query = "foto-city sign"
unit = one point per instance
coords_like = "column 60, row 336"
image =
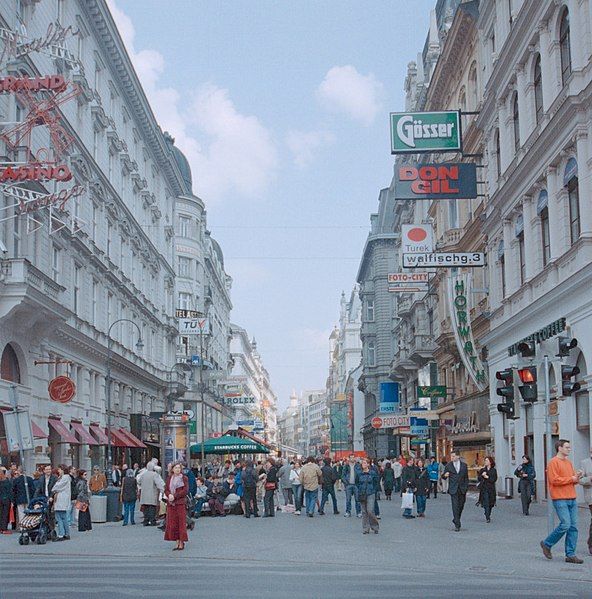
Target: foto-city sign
column 395, row 421
column 402, row 282
column 444, row 260
column 417, row 238
column 417, row 132
column 449, row 181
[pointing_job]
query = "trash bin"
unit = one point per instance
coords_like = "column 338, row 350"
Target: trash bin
column 98, row 508
column 509, row 487
column 113, row 504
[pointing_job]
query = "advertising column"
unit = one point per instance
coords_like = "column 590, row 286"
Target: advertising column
column 175, row 439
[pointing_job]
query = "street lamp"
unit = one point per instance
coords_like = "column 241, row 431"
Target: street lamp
column 181, row 389
column 139, row 347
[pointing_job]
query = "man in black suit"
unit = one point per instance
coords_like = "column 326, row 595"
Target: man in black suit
column 457, row 474
column 45, row 483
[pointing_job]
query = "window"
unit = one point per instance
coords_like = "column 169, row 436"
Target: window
column 498, row 158
column 110, row 304
column 452, row 214
column 570, row 181
column 516, row 122
column 55, row 263
column 430, row 323
column 185, row 301
column 543, row 212
column 60, row 11
column 109, row 238
column 582, row 397
column 370, row 310
column 9, row 365
column 16, row 236
column 184, row 226
column 95, row 145
column 185, row 267
column 473, row 91
column 371, row 353
column 521, row 257
column 510, row 14
column 564, row 47
column 538, row 90
column 76, row 290
column 95, row 297
column 502, row 263
column 462, row 100
column 95, row 222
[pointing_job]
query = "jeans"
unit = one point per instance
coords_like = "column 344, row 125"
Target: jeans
column 369, row 519
column 288, row 495
column 329, row 491
column 349, row 491
column 487, row 503
column 398, row 485
column 199, row 503
column 268, row 503
column 62, row 522
column 297, row 496
column 433, row 488
column 567, row 511
column 375, row 506
column 421, row 501
column 310, row 497
column 69, row 513
column 129, row 507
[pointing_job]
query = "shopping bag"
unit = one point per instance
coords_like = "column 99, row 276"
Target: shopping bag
column 407, row 501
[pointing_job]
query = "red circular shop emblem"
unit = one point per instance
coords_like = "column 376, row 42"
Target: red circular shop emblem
column 417, row 234
column 61, row 389
column 376, row 422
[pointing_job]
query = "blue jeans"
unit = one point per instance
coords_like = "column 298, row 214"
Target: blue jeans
column 61, row 517
column 349, row 491
column 329, row 492
column 297, row 496
column 421, row 503
column 376, row 508
column 129, row 508
column 198, row 505
column 567, row 511
column 310, row 497
column 69, row 513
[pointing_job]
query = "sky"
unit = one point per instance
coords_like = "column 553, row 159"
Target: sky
column 282, row 111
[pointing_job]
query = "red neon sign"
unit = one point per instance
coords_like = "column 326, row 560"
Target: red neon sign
column 36, row 172
column 54, row 83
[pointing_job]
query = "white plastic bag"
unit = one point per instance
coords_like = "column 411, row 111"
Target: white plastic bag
column 407, row 501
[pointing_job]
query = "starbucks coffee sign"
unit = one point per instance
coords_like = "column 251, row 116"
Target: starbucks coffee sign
column 417, row 132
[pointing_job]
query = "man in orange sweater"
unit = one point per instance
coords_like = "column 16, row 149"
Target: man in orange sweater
column 562, row 479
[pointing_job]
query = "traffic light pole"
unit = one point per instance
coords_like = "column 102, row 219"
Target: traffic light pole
column 549, row 442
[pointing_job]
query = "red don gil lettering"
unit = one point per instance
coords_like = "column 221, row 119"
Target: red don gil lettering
column 430, row 179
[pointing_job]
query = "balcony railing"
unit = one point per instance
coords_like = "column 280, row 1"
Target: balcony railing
column 18, row 271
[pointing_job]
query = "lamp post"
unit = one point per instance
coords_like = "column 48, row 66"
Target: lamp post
column 139, row 347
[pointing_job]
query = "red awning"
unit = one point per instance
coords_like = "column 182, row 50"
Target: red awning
column 99, row 434
column 84, row 436
column 132, row 438
column 119, row 440
column 63, row 432
column 38, row 432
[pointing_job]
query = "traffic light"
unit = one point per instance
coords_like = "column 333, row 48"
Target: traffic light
column 567, row 385
column 508, row 407
column 528, row 388
column 527, row 349
column 566, row 344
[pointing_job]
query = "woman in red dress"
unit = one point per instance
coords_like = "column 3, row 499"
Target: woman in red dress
column 176, row 489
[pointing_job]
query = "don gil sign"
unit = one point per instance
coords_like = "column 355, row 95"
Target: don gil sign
column 448, row 181
column 415, row 132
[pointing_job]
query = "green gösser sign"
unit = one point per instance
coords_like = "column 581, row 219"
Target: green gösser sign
column 416, row 132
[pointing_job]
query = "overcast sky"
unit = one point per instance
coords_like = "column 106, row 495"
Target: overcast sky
column 282, row 110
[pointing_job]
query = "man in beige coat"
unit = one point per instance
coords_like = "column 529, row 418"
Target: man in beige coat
column 311, row 478
column 151, row 485
column 586, row 482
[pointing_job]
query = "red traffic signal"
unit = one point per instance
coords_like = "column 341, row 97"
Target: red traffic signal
column 528, row 389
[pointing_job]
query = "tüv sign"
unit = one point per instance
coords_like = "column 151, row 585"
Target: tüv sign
column 416, row 132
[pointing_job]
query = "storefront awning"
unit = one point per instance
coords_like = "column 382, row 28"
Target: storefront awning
column 99, row 434
column 83, row 434
column 119, row 440
column 38, row 432
column 132, row 438
column 63, row 432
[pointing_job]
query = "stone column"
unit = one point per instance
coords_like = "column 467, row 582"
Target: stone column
column 555, row 212
column 584, row 182
column 549, row 72
column 530, row 239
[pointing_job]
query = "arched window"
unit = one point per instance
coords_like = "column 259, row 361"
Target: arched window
column 564, row 46
column 516, row 122
column 473, row 91
column 570, row 182
column 9, row 365
column 538, row 90
column 543, row 212
column 498, row 158
column 582, row 401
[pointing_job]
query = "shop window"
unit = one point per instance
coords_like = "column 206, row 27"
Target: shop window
column 9, row 365
column 564, row 46
column 570, row 181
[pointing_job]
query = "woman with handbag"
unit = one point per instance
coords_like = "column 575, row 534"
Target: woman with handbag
column 271, row 481
column 176, row 491
column 487, row 478
column 525, row 472
column 83, row 502
column 408, row 480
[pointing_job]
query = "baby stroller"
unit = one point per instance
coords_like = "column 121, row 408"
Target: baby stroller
column 37, row 524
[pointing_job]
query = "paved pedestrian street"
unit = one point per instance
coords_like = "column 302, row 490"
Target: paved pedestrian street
column 324, row 556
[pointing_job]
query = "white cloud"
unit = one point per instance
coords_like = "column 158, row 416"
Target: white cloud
column 346, row 90
column 229, row 152
column 304, row 144
column 314, row 339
